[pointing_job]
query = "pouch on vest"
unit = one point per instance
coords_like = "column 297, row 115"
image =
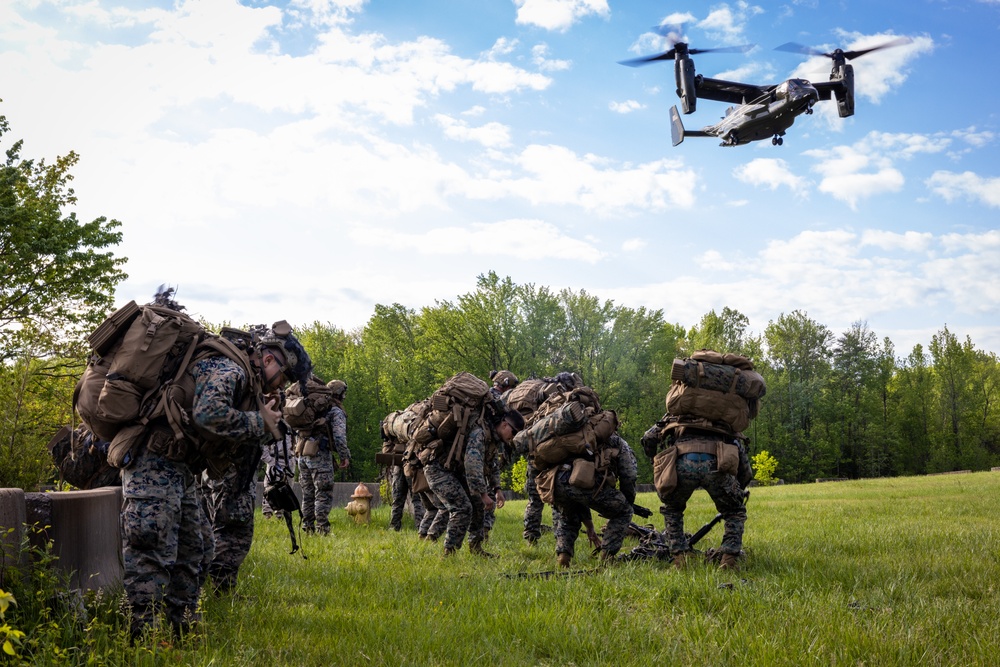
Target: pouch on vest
column 545, row 484
column 124, row 447
column 419, row 483
column 728, row 458
column 308, row 447
column 583, row 475
column 665, row 471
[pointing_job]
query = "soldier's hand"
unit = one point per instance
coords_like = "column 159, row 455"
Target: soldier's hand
column 344, row 463
column 594, row 538
column 271, row 416
column 501, row 501
column 487, row 501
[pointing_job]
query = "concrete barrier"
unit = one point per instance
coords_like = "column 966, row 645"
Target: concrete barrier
column 84, row 528
column 12, row 519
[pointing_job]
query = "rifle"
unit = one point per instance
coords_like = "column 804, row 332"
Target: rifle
column 654, row 546
column 644, row 512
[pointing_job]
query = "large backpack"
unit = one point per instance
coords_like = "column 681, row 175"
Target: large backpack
column 569, row 425
column 461, row 402
column 309, row 411
column 397, row 431
column 716, row 387
column 136, row 375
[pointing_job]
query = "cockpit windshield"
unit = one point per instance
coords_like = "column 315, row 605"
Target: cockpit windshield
column 794, row 89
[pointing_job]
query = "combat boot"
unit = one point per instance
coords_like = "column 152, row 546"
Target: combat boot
column 729, row 562
column 477, row 548
column 563, row 559
column 450, row 551
column 680, row 560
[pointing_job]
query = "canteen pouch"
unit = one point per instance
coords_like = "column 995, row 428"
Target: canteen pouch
column 728, row 458
column 419, row 484
column 124, row 447
column 545, row 484
column 583, row 474
column 309, row 447
column 665, row 471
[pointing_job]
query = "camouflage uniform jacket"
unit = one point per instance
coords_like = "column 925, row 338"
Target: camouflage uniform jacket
column 482, row 470
column 221, row 388
column 336, row 421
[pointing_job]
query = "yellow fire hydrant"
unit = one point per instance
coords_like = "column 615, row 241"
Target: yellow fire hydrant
column 360, row 506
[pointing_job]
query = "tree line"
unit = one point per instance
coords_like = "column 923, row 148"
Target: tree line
column 837, row 405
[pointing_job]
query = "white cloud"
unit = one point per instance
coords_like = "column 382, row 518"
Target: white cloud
column 966, row 185
column 558, row 15
column 491, row 135
column 726, row 23
column 914, row 242
column 631, row 245
column 628, row 106
column 867, row 167
column 517, row 238
column 771, row 173
column 539, row 56
column 501, row 47
column 974, row 137
column 556, row 175
column 839, row 277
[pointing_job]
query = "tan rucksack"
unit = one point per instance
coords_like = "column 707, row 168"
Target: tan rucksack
column 307, row 412
column 461, row 402
column 135, row 351
column 136, row 374
column 716, row 387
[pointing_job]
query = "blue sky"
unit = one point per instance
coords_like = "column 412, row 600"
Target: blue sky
column 307, row 160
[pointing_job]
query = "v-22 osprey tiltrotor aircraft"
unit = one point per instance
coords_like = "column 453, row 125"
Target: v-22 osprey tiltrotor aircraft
column 761, row 112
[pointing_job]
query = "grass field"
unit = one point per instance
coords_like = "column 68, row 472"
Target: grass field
column 879, row 572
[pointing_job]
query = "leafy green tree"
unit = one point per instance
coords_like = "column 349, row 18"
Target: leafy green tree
column 56, row 274
column 799, row 356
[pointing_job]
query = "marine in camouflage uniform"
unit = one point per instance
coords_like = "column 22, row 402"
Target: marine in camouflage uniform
column 533, row 510
column 463, row 492
column 167, row 539
column 400, row 486
column 697, row 470
column 316, row 472
column 615, row 504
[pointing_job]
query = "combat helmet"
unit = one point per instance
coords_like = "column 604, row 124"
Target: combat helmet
column 504, row 379
column 338, row 387
column 298, row 365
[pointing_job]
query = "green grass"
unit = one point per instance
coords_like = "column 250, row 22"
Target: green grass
column 879, row 572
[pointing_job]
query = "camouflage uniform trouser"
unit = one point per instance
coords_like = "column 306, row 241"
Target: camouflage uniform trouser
column 465, row 511
column 231, row 511
column 724, row 490
column 435, row 520
column 316, row 479
column 533, row 510
column 573, row 505
column 164, row 540
column 400, row 486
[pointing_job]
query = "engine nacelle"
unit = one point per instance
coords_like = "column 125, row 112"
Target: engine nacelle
column 845, row 96
column 684, row 73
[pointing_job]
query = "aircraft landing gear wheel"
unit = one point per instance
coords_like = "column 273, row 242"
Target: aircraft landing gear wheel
column 781, row 141
column 774, row 141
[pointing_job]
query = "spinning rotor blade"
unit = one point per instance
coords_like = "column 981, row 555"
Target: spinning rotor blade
column 792, row 47
column 851, row 55
column 645, row 60
column 724, row 49
column 669, row 55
